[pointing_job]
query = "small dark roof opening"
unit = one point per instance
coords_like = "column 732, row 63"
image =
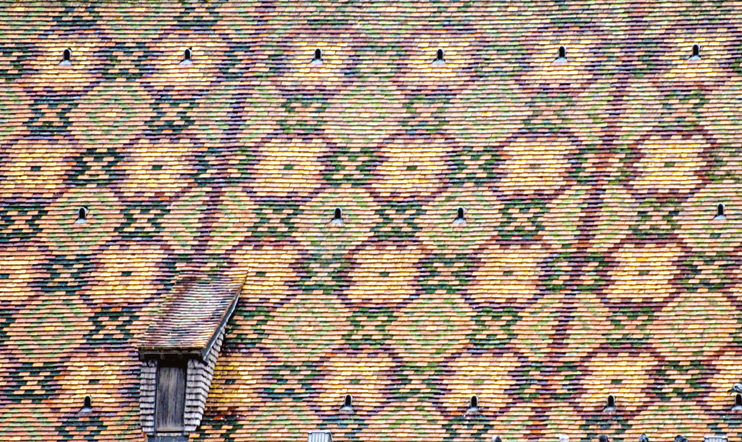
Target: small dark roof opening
column 695, row 53
column 187, row 57
column 66, row 57
column 611, row 401
column 720, row 215
column 317, row 56
column 473, row 409
column 82, row 214
column 337, row 217
column 439, row 55
column 347, row 407
column 561, row 55
column 460, row 217
column 738, row 400
column 87, row 405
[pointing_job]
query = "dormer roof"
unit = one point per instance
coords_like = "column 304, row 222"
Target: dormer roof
column 191, row 318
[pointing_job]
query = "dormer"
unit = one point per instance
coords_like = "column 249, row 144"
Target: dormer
column 179, row 352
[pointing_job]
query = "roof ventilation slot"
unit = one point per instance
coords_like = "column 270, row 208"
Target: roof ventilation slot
column 82, row 215
column 562, row 55
column 439, row 57
column 66, row 57
column 715, row 438
column 187, row 57
column 696, row 54
column 337, row 218
column 347, row 405
column 320, row 436
column 87, row 405
column 460, row 218
column 473, row 406
column 317, row 56
column 610, row 406
column 720, row 213
column 737, row 403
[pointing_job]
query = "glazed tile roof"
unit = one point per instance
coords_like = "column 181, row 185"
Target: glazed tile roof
column 590, row 262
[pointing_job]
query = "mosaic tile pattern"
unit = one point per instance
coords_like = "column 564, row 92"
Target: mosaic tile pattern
column 590, row 261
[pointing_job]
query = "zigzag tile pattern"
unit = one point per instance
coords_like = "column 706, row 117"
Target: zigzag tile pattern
column 590, row 262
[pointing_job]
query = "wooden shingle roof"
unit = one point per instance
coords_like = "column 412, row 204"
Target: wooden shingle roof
column 189, row 321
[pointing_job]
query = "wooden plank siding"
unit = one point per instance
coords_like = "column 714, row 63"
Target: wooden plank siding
column 199, row 383
column 147, row 389
column 170, row 397
column 198, row 376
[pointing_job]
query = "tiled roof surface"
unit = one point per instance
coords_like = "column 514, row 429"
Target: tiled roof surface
column 589, row 264
column 189, row 320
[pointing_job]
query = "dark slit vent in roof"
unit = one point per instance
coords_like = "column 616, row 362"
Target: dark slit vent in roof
column 187, row 57
column 317, row 56
column 696, row 53
column 720, row 215
column 66, row 57
column 82, row 215
column 610, row 406
column 473, row 407
column 737, row 403
column 561, row 55
column 439, row 57
column 460, row 217
column 337, row 218
column 347, row 407
column 87, row 405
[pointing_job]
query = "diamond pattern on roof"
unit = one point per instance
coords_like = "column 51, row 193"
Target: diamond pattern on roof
column 590, row 262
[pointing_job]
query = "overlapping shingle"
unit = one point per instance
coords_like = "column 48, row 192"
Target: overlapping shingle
column 590, row 262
